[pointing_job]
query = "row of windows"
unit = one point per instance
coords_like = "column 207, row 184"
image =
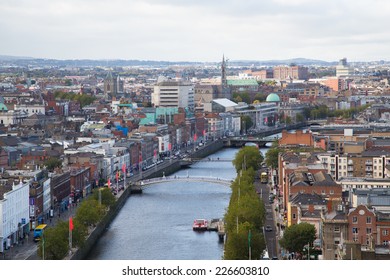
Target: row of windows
column 355, row 230
column 341, row 160
column 355, row 220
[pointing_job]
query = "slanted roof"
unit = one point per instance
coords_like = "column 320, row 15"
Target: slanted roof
column 225, row 102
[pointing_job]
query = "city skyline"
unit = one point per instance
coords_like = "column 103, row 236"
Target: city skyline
column 174, row 30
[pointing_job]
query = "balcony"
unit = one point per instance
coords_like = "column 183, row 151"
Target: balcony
column 350, row 162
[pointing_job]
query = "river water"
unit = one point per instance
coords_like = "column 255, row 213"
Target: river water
column 157, row 224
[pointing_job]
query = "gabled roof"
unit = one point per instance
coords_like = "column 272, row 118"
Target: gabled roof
column 308, row 199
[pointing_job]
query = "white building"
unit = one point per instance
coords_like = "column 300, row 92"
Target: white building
column 173, row 94
column 163, row 143
column 12, row 117
column 343, row 69
column 31, row 108
column 14, row 214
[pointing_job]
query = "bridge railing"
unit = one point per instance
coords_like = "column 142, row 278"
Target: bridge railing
column 186, row 178
column 211, row 159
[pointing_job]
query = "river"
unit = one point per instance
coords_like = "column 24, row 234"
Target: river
column 157, row 225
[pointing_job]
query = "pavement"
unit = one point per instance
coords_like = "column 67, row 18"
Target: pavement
column 26, row 249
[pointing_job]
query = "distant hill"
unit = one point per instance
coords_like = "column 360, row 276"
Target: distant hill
column 297, row 61
column 23, row 61
column 11, row 57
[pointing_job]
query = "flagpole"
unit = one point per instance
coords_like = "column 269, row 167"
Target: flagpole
column 70, row 235
column 249, row 244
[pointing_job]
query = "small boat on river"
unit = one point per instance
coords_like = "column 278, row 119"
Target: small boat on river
column 200, row 224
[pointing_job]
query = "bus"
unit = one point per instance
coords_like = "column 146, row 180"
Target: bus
column 38, row 232
column 264, row 178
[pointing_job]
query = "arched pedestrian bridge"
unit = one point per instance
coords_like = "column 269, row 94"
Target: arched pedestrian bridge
column 216, row 180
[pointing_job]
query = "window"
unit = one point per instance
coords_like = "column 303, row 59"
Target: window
column 354, row 219
column 337, row 242
column 385, row 232
column 385, row 242
column 355, row 230
column 368, row 230
column 331, row 191
column 336, row 229
column 368, row 220
column 323, row 192
column 294, row 216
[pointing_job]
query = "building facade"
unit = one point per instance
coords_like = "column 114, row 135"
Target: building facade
column 173, row 94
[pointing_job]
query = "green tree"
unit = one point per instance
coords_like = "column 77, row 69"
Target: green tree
column 68, row 82
column 260, row 97
column 297, row 236
column 54, row 244
column 242, row 97
column 246, row 208
column 237, row 98
column 238, row 244
column 246, row 123
column 107, row 198
column 90, row 212
column 272, row 156
column 52, row 163
column 79, row 233
column 248, row 157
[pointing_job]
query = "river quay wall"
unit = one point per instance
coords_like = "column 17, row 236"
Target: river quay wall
column 82, row 253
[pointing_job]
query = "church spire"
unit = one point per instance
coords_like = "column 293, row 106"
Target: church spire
column 223, row 72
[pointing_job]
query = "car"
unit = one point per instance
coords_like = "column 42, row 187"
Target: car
column 268, row 228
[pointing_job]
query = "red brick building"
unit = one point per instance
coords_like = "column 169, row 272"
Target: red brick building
column 362, row 226
column 296, row 138
column 80, row 181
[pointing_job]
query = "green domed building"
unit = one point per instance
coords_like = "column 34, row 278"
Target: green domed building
column 273, row 97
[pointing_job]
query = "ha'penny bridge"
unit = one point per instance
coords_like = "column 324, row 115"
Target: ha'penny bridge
column 164, row 179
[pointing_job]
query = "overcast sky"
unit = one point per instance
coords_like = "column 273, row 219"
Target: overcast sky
column 196, row 30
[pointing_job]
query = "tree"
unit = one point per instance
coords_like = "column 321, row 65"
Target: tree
column 68, row 82
column 246, row 208
column 107, row 198
column 52, row 163
column 248, row 157
column 237, row 98
column 297, row 236
column 54, row 244
column 242, row 97
column 237, row 245
column 246, row 123
column 260, row 97
column 90, row 212
column 272, row 156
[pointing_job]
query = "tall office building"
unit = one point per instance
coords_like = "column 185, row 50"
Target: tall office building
column 170, row 93
column 343, row 69
column 290, row 72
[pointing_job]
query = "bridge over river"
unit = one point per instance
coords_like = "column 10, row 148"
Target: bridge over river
column 164, row 179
